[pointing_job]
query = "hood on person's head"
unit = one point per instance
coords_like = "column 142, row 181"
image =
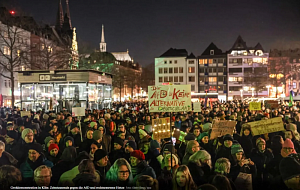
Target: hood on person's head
column 69, row 138
column 154, row 145
column 69, row 154
column 202, row 135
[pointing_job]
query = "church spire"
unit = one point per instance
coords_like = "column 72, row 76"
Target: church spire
column 102, row 43
column 68, row 13
column 60, row 16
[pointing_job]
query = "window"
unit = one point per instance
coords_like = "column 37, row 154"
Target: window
column 235, row 88
column 180, row 79
column 191, row 69
column 212, row 52
column 170, row 79
column 43, row 47
column 180, row 69
column 191, row 79
column 210, row 61
column 6, row 50
column 212, row 70
column 221, row 88
column 212, row 79
column 170, row 62
column 257, row 60
column 175, row 61
column 294, row 85
column 160, row 79
column 201, row 79
column 23, row 68
column 221, row 79
column 160, row 70
column 220, row 60
column 235, row 70
column 192, row 87
column 220, row 70
column 261, row 70
column 176, row 79
column 247, row 70
column 9, row 84
column 202, row 70
column 171, row 70
column 201, row 61
column 5, row 83
column 175, row 69
column 191, row 61
column 165, row 62
column 166, row 79
column 165, row 70
column 18, row 53
column 235, row 79
column 215, row 60
column 202, row 88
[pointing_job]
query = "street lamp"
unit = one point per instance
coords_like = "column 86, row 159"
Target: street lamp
column 252, row 92
column 269, row 86
column 241, row 94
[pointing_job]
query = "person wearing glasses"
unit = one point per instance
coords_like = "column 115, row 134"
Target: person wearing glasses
column 192, row 147
column 42, row 176
column 119, row 174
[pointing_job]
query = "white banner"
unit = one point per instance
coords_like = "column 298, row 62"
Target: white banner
column 197, row 106
column 169, row 98
column 78, row 111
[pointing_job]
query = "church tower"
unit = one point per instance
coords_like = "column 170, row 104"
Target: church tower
column 59, row 17
column 102, row 43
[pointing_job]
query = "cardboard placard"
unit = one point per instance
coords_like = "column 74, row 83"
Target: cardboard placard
column 161, row 128
column 265, row 126
column 25, row 113
column 169, row 98
column 197, row 106
column 254, row 106
column 78, row 111
column 243, row 181
column 271, row 104
column 221, row 128
column 179, row 135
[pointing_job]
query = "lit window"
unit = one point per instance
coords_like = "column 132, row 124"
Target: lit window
column 191, row 69
column 6, row 50
column 23, row 68
column 201, row 61
column 212, row 79
column 210, row 61
column 43, row 46
column 18, row 53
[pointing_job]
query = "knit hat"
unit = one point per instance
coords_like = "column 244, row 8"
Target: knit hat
column 169, row 147
column 47, row 139
column 53, row 146
column 35, row 146
column 99, row 154
column 25, row 132
column 132, row 144
column 138, row 154
column 287, row 144
column 142, row 132
column 289, row 168
column 73, row 125
column 189, row 137
column 69, row 138
column 228, row 137
column 259, row 140
column 202, row 135
column 235, row 148
column 119, row 141
column 154, row 145
column 97, row 135
column 207, row 127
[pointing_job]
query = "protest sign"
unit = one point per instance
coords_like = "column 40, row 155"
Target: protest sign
column 255, row 106
column 78, row 111
column 179, row 135
column 243, row 181
column 271, row 104
column 197, row 106
column 265, row 126
column 25, row 113
column 161, row 128
column 169, row 98
column 222, row 127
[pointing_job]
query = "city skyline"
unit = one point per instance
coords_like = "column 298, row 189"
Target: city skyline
column 149, row 28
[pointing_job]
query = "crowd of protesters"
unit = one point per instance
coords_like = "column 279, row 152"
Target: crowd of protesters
column 114, row 147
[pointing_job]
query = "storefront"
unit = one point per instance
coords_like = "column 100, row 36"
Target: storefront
column 55, row 90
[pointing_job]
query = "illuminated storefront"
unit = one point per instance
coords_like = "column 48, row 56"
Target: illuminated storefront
column 64, row 89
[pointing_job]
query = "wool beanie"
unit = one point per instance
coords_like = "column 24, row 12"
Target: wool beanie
column 259, row 140
column 36, row 146
column 228, row 137
column 119, row 141
column 97, row 135
column 289, row 168
column 142, row 132
column 236, row 148
column 69, row 138
column 99, row 154
column 138, row 154
column 287, row 144
column 189, row 137
column 47, row 139
column 25, row 132
column 202, row 135
column 207, row 127
column 154, row 145
column 53, row 146
column 132, row 144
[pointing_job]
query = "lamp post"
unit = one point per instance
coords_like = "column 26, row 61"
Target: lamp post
column 252, row 92
column 269, row 86
column 241, row 94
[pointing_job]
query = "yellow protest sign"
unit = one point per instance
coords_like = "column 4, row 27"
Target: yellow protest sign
column 255, row 106
column 265, row 126
column 161, row 128
column 221, row 128
column 25, row 113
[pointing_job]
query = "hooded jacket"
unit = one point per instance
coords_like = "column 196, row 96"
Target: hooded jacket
column 144, row 169
column 8, row 159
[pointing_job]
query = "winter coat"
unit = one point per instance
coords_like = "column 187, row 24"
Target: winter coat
column 67, row 177
column 116, row 154
column 200, row 174
column 7, row 159
column 144, row 169
column 186, row 158
column 154, row 161
column 53, row 159
column 246, row 143
column 102, row 172
column 224, row 152
column 247, row 168
column 60, row 168
column 165, row 178
column 20, row 151
column 84, row 179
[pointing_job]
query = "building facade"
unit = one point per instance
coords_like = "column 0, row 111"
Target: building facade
column 212, row 71
column 247, row 71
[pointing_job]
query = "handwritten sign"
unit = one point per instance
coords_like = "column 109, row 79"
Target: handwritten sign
column 179, row 135
column 197, row 106
column 221, row 128
column 271, row 104
column 255, row 106
column 171, row 98
column 265, row 126
column 78, row 111
column 161, row 128
column 25, row 113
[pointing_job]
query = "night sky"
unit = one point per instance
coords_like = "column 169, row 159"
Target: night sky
column 150, row 27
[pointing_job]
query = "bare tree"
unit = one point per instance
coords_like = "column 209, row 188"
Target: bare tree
column 258, row 79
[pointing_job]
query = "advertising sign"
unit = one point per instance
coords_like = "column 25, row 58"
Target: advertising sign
column 172, row 98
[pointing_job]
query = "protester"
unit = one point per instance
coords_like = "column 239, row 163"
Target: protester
column 182, row 179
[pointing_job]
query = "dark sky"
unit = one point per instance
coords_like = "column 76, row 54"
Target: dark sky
column 150, row 27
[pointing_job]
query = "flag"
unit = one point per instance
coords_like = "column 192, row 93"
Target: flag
column 291, row 99
column 205, row 102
